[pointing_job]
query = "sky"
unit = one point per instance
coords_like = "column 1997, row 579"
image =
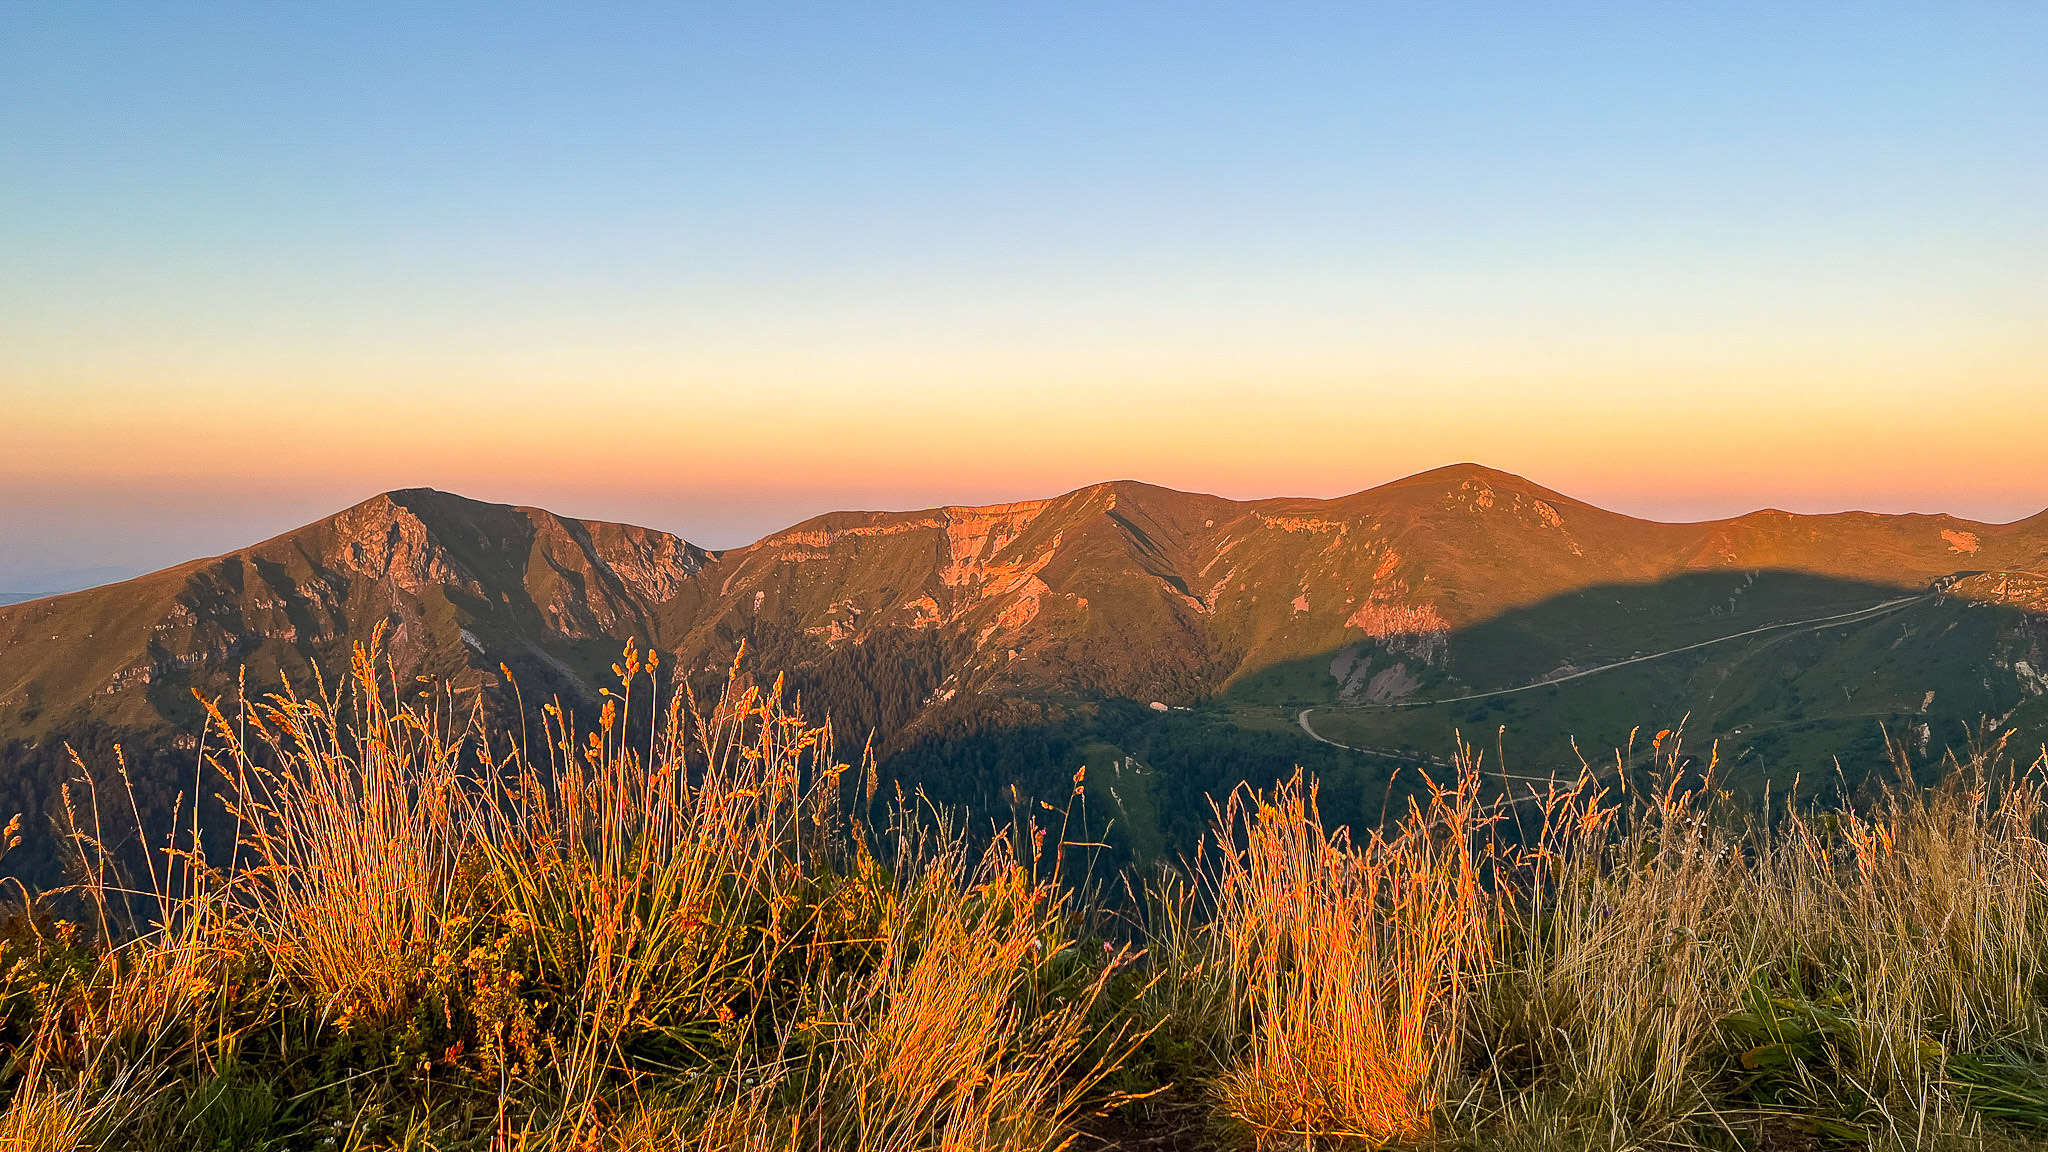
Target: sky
column 715, row 269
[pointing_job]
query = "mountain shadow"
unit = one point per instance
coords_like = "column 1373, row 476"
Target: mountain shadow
column 1788, row 675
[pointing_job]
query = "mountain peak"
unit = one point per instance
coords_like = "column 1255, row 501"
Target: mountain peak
column 1470, row 484
column 1453, row 475
column 1468, row 469
column 432, row 503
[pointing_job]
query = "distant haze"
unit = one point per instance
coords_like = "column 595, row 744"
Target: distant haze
column 28, row 580
column 714, row 271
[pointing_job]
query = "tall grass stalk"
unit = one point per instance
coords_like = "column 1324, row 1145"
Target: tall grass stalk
column 1348, row 962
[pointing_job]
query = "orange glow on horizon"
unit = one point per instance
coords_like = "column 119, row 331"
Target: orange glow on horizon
column 725, row 474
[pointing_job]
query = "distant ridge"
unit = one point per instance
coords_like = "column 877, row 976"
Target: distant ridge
column 1121, row 587
column 56, row 582
column 1120, row 590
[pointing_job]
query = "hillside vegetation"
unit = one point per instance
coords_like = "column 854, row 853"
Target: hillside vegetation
column 978, row 645
column 692, row 925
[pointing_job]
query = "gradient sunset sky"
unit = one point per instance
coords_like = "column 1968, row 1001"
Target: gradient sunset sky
column 717, row 269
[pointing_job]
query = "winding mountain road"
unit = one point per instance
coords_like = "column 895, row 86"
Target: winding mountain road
column 1813, row 624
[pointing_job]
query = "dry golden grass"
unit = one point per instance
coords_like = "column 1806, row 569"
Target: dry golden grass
column 1928, row 912
column 665, row 933
column 657, row 911
column 1348, row 963
column 44, row 1114
column 1619, row 954
column 1589, row 968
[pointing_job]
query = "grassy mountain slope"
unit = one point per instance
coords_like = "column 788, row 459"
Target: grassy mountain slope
column 448, row 578
column 1453, row 582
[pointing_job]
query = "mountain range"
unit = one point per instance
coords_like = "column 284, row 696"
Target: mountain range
column 1376, row 625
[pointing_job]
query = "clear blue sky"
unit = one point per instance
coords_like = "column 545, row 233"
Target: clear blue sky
column 715, row 269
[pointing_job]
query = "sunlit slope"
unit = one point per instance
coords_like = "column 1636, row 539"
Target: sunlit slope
column 1133, row 590
column 1456, row 580
column 457, row 586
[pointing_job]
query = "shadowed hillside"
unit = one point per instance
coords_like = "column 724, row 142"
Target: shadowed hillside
column 1783, row 671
